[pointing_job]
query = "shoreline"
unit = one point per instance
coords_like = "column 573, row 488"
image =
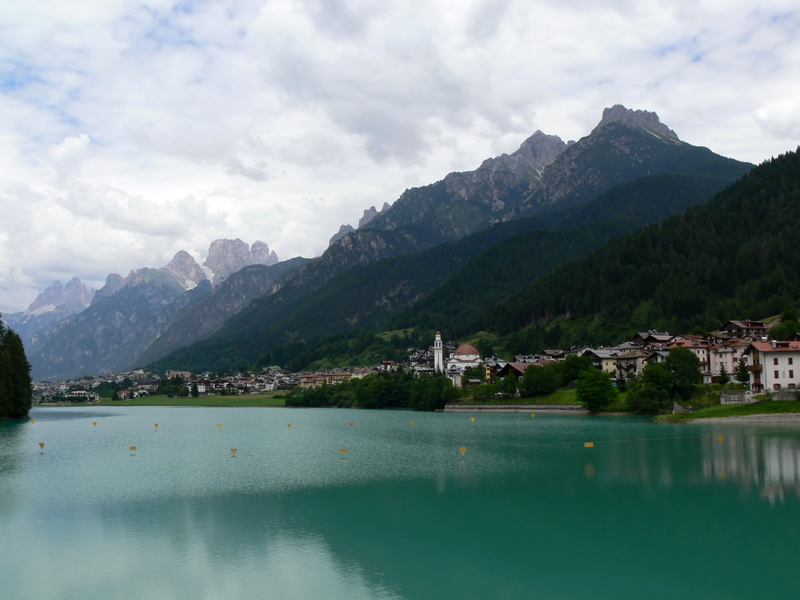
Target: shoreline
column 767, row 418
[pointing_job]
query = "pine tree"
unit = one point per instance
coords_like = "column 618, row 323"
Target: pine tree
column 740, row 373
column 723, row 378
column 16, row 388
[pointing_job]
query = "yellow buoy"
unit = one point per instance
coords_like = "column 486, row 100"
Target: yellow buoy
column 351, row 424
column 94, row 423
column 218, row 425
column 412, row 422
column 233, row 451
column 463, row 449
column 156, row 425
column 41, row 445
column 533, row 415
column 33, row 420
column 133, row 448
column 720, row 438
column 290, row 425
column 588, row 444
column 343, row 450
column 473, row 419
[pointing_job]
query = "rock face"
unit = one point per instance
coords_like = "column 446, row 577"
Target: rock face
column 371, row 213
column 343, row 231
column 186, row 270
column 56, row 302
column 261, row 255
column 204, row 314
column 462, row 203
column 636, row 119
column 110, row 329
column 228, row 256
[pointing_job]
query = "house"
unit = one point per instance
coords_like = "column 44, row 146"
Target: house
column 652, row 337
column 726, row 354
column 185, row 375
column 630, row 364
column 311, row 380
column 517, row 369
column 743, row 328
column 604, row 359
column 772, row 364
column 697, row 345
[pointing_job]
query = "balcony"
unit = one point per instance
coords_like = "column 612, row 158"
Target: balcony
column 754, row 368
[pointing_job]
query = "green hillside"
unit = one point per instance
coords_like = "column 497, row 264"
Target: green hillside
column 734, row 257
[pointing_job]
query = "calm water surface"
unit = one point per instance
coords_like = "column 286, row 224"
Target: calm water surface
column 651, row 511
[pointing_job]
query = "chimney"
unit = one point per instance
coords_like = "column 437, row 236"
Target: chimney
column 773, row 344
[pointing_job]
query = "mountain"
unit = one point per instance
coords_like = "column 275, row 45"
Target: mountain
column 127, row 315
column 545, row 174
column 55, row 303
column 731, row 258
column 228, row 256
column 110, row 334
column 449, row 286
column 203, row 315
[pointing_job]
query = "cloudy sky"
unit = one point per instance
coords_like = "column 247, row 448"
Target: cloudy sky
column 133, row 129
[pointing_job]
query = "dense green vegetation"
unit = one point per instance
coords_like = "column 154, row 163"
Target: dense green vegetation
column 594, row 388
column 662, row 383
column 16, row 390
column 396, row 389
column 732, row 257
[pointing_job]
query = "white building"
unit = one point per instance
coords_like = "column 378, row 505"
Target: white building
column 438, row 356
column 772, row 365
column 465, row 357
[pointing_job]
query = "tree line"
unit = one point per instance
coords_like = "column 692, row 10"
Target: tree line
column 16, row 387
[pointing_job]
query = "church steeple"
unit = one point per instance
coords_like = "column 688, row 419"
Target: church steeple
column 438, row 357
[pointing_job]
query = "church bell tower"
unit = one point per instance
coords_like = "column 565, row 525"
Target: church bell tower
column 438, row 358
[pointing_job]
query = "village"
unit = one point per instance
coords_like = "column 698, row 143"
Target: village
column 737, row 345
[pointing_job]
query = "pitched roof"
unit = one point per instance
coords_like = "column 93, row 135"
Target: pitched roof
column 779, row 346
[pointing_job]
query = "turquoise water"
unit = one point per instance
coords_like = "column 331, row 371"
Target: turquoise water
column 651, row 511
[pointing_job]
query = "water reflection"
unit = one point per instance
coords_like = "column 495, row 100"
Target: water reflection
column 770, row 463
column 527, row 511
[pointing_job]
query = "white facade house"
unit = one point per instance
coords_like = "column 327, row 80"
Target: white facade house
column 773, row 365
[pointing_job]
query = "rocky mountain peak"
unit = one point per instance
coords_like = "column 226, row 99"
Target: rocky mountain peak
column 228, row 256
column 541, row 148
column 260, row 254
column 55, row 295
column 185, row 269
column 637, row 119
column 343, row 231
column 371, row 213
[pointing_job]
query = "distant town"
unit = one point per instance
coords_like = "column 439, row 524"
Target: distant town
column 769, row 363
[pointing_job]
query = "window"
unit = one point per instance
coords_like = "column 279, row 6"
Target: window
column 791, row 360
column 775, row 361
column 777, row 375
column 791, row 374
column 777, row 386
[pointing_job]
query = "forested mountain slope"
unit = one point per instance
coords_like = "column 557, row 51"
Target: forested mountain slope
column 734, row 257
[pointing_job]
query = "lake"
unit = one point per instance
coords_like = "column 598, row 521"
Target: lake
column 527, row 511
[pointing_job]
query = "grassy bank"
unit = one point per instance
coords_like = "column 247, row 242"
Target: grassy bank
column 566, row 396
column 734, row 410
column 266, row 399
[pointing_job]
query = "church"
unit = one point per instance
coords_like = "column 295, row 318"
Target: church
column 465, row 357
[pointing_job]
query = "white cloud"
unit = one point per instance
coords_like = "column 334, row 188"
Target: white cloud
column 134, row 129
